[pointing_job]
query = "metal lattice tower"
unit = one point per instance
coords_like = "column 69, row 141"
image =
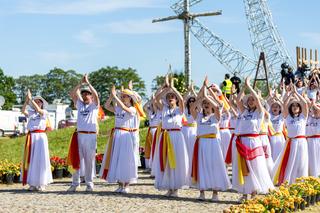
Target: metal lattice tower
column 265, row 36
column 184, row 14
column 231, row 58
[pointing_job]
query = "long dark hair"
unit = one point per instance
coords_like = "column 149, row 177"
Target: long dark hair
column 188, row 103
column 290, row 109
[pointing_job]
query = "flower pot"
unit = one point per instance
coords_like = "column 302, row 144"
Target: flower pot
column 16, row 179
column 296, row 206
column 66, row 173
column 143, row 163
column 308, row 201
column 302, row 206
column 313, row 199
column 318, row 198
column 98, row 167
column 58, row 173
column 9, row 178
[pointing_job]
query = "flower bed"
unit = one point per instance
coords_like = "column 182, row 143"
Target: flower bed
column 288, row 198
column 9, row 172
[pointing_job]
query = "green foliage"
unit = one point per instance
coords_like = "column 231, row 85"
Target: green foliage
column 11, row 149
column 179, row 83
column 103, row 79
column 54, row 85
column 6, row 90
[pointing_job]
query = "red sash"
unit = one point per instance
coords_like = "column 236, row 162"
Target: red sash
column 228, row 159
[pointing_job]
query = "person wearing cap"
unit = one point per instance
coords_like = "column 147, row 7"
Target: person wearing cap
column 36, row 167
column 84, row 140
column 250, row 173
column 119, row 163
column 293, row 161
column 172, row 171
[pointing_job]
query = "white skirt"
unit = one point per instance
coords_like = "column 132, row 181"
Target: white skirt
column 178, row 177
column 258, row 179
column 149, row 161
column 267, row 148
column 190, row 136
column 39, row 173
column 212, row 172
column 277, row 143
column 123, row 164
column 314, row 153
column 298, row 160
column 225, row 135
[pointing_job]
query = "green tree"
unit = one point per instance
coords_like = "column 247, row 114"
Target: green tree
column 103, row 79
column 35, row 83
column 6, row 90
column 58, row 84
column 179, row 83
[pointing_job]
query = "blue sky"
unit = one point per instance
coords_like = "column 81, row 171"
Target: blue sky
column 85, row 35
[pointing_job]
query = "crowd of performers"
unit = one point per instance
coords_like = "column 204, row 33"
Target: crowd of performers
column 191, row 139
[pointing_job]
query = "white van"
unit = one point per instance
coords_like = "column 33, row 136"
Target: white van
column 12, row 123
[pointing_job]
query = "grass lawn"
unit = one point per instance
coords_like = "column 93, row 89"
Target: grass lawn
column 11, row 149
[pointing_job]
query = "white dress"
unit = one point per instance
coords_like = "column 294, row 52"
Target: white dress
column 258, row 179
column 313, row 129
column 225, row 133
column 173, row 178
column 153, row 123
column 277, row 141
column 155, row 143
column 212, row 173
column 189, row 132
column 123, row 165
column 298, row 157
column 39, row 173
column 266, row 145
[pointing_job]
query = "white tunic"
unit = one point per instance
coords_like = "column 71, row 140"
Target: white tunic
column 87, row 116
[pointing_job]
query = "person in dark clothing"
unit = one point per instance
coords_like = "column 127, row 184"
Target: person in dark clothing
column 236, row 81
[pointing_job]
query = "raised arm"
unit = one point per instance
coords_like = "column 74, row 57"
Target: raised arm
column 94, row 92
column 24, row 107
column 303, row 102
column 255, row 95
column 118, row 101
column 75, row 94
column 217, row 111
column 34, row 104
column 180, row 98
column 108, row 105
column 239, row 99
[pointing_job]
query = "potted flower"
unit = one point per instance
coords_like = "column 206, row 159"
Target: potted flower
column 99, row 158
column 58, row 165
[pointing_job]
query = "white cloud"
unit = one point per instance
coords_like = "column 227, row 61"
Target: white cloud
column 142, row 26
column 87, row 37
column 83, row 7
column 313, row 37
